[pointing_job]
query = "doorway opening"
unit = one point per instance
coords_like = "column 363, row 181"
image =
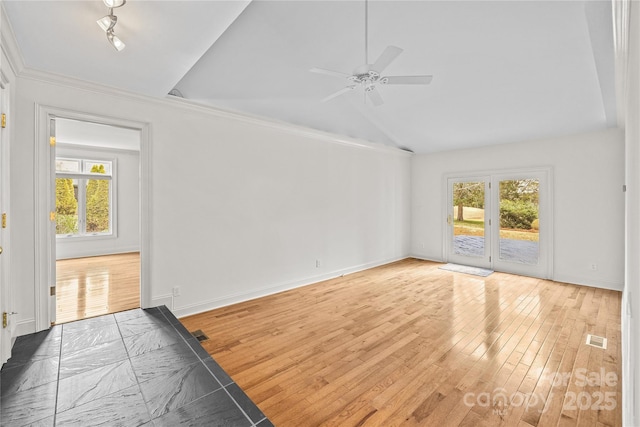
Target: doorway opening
column 97, row 218
column 93, row 286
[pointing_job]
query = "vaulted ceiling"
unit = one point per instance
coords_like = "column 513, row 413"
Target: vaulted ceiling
column 503, row 71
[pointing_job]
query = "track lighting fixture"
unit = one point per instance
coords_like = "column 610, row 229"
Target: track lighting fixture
column 108, row 23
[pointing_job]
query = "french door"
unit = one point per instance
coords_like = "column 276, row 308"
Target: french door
column 500, row 221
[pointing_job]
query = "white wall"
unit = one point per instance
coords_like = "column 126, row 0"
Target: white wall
column 588, row 174
column 239, row 207
column 126, row 182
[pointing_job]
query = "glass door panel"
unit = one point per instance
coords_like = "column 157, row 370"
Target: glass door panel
column 519, row 238
column 469, row 241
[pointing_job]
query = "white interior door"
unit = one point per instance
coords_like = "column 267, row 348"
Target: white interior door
column 468, row 226
column 5, row 332
column 8, row 326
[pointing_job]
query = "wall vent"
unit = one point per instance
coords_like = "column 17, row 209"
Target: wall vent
column 596, row 341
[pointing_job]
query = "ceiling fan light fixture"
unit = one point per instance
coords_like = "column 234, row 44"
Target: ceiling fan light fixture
column 369, row 76
column 114, row 3
column 115, row 41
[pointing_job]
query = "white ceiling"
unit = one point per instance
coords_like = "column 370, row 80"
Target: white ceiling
column 163, row 39
column 502, row 71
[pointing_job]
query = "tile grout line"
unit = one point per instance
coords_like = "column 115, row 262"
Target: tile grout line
column 191, row 348
column 133, row 370
column 199, row 360
column 187, row 342
column 238, row 405
column 212, row 374
column 55, row 403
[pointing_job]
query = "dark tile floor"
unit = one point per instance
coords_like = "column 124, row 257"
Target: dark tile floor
column 134, row 368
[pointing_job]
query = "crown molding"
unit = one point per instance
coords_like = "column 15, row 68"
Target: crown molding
column 188, row 105
column 9, row 44
column 283, row 126
column 621, row 27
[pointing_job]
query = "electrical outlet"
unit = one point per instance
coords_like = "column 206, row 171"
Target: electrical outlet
column 176, row 291
column 318, row 263
column 594, row 267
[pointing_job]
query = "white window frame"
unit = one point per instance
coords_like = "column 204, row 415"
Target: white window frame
column 82, row 203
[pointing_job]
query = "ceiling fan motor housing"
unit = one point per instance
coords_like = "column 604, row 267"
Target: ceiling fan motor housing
column 364, row 75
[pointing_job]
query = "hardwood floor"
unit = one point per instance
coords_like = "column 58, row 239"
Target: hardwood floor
column 410, row 344
column 87, row 287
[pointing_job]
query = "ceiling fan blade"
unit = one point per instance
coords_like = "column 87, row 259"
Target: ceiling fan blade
column 338, row 93
column 387, row 57
column 406, row 80
column 375, row 96
column 330, row 73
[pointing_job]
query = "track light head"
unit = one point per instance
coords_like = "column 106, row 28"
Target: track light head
column 114, row 3
column 115, row 41
column 107, row 22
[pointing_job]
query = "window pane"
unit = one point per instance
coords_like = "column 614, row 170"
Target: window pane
column 98, row 206
column 66, row 206
column 67, row 165
column 93, row 166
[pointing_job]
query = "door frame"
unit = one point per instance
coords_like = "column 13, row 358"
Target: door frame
column 44, row 232
column 546, row 227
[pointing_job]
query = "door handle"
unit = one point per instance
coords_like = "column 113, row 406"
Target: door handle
column 0, row 250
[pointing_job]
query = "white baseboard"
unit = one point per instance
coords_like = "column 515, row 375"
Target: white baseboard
column 166, row 300
column 25, row 327
column 584, row 281
column 212, row 304
column 574, row 280
column 423, row 258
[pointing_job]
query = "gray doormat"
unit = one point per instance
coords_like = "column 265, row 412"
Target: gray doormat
column 476, row 271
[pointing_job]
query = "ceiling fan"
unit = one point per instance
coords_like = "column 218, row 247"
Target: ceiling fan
column 369, row 76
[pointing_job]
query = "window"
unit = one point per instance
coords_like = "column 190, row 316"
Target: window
column 84, row 195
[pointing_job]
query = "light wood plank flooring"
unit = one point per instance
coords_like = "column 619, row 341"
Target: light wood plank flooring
column 410, row 344
column 87, row 287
